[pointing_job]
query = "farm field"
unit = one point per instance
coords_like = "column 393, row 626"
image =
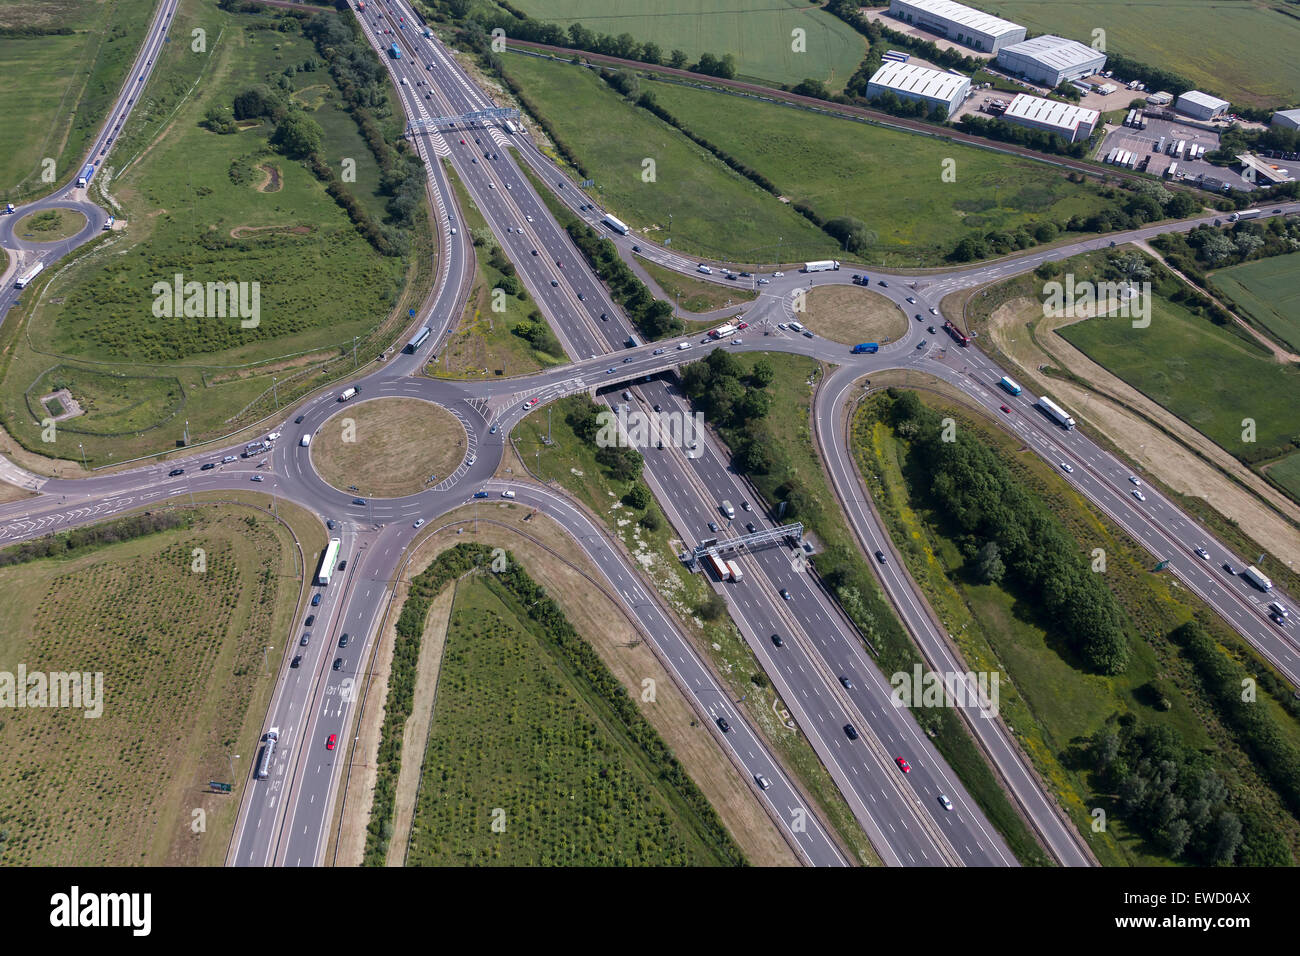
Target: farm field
column 1207, row 376
column 757, row 34
column 522, row 738
column 55, row 90
column 1244, row 52
column 714, row 211
column 184, row 688
column 1050, row 701
column 893, row 182
column 1287, row 474
column 1268, row 291
column 212, row 208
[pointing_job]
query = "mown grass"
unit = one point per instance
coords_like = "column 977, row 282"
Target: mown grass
column 715, row 211
column 1051, row 704
column 181, row 653
column 1268, row 292
column 522, row 739
column 692, row 295
column 758, row 35
column 892, row 181
column 56, row 90
column 1206, row 375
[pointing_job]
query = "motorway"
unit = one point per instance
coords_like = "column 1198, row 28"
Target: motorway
column 285, row 820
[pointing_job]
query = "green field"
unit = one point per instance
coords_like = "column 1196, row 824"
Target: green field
column 212, row 208
column 759, row 35
column 184, row 689
column 694, row 295
column 1287, row 474
column 55, row 90
column 1268, row 292
column 714, row 211
column 1207, row 376
column 1050, row 702
column 524, row 739
column 891, row 181
column 1244, row 52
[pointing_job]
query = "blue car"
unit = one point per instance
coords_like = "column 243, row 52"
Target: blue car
column 358, row 501
column 480, row 494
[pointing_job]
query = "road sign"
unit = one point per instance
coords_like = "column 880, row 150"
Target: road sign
column 220, row 787
column 587, row 183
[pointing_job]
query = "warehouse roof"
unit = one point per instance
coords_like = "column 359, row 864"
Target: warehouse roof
column 918, row 80
column 1058, row 53
column 1205, row 100
column 966, row 16
column 1050, row 112
column 1292, row 115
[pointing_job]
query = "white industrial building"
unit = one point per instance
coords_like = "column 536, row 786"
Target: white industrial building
column 1287, row 119
column 1065, row 119
column 910, row 82
column 1051, row 60
column 1200, row 105
column 953, row 21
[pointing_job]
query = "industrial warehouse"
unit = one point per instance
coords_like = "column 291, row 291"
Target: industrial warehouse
column 1201, row 106
column 1073, row 122
column 952, row 21
column 910, row 82
column 1051, row 60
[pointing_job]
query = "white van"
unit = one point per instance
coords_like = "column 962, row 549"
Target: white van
column 507, row 494
column 796, row 326
column 306, row 440
column 1279, row 609
column 704, row 269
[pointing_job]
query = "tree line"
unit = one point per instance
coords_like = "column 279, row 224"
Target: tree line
column 652, row 317
column 67, row 544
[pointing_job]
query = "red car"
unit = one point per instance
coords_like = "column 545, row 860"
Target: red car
column 329, row 744
column 903, row 765
column 743, row 325
column 530, row 403
column 1005, row 409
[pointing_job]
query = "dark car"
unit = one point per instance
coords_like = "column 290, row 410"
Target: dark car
column 209, row 466
column 851, row 732
column 298, row 420
column 330, row 524
column 358, row 501
column 749, row 526
column 554, row 284
column 785, row 593
column 628, row 359
column 1229, row 568
column 343, row 564
column 343, row 641
column 776, row 639
column 175, row 471
column 315, row 600
column 338, row 663
column 713, row 526
column 311, row 619
column 723, row 725
column 296, row 660
column 880, row 556
column 846, row 682
column 636, row 248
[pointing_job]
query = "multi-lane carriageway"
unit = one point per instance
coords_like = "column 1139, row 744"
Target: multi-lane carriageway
column 902, row 821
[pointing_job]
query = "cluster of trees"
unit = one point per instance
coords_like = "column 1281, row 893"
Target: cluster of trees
column 974, row 491
column 538, row 334
column 1257, row 730
column 652, row 317
column 736, row 401
column 621, row 463
column 69, row 543
column 1041, row 140
column 1211, row 247
column 1238, row 139
column 895, row 105
column 1170, row 793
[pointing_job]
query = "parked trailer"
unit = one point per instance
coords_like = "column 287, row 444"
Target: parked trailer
column 1009, row 385
column 1172, row 171
column 736, row 573
column 1160, row 145
column 821, row 265
column 869, row 348
column 29, row 275
column 719, row 567
column 1257, row 578
column 618, row 225
column 1057, row 413
column 268, row 751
